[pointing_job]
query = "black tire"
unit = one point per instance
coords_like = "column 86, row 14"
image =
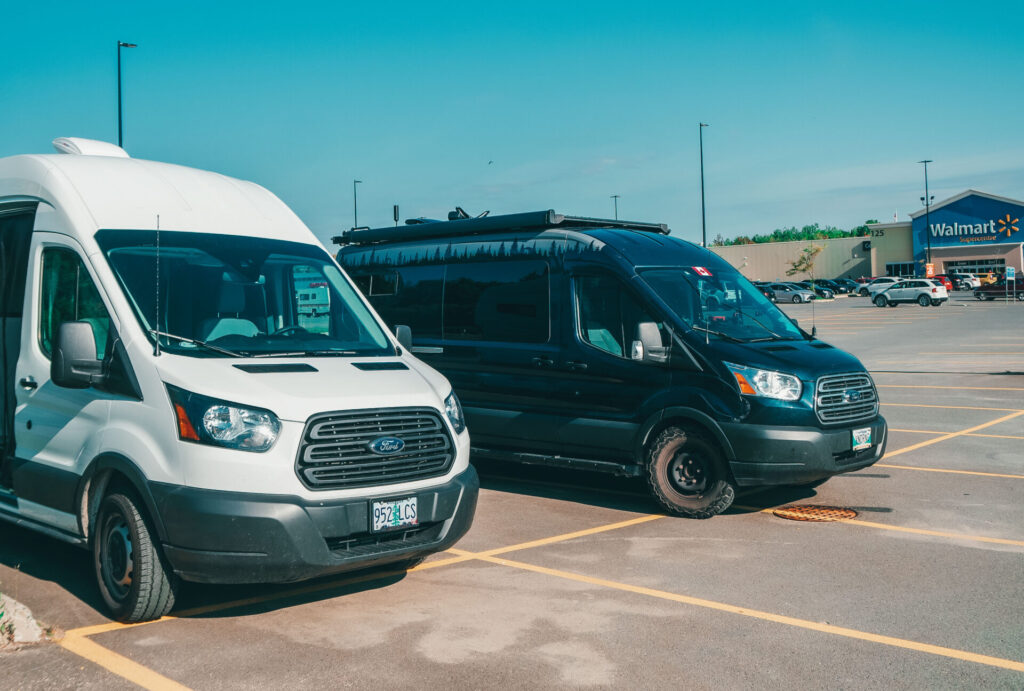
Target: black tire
column 798, row 299
column 924, row 300
column 880, row 301
column 863, row 292
column 687, row 475
column 134, row 579
column 936, row 303
column 1020, row 297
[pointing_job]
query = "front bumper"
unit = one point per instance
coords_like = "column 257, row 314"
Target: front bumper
column 232, row 537
column 769, row 455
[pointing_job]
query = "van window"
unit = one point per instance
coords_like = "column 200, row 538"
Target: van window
column 68, row 294
column 497, row 301
column 415, row 300
column 607, row 314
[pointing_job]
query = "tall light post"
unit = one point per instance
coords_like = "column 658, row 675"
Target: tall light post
column 616, row 198
column 120, row 45
column 927, row 208
column 355, row 204
column 703, row 223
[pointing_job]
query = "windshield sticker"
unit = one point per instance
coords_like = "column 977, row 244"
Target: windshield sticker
column 701, row 271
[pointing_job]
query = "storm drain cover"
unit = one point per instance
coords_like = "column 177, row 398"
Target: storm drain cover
column 810, row 512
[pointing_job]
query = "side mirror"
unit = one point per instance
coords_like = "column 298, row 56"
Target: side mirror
column 73, row 363
column 404, row 335
column 647, row 345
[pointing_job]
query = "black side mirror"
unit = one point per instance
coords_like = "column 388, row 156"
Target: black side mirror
column 647, row 345
column 73, row 363
column 404, row 335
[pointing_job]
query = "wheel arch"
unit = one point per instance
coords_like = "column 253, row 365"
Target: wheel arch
column 105, row 470
column 685, row 417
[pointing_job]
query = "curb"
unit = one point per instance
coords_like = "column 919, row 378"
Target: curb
column 17, row 625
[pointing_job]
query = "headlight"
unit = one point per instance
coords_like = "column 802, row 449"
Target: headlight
column 206, row 420
column 759, row 382
column 453, row 409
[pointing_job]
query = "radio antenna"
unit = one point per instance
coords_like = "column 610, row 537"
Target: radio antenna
column 156, row 348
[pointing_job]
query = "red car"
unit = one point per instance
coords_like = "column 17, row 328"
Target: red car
column 944, row 280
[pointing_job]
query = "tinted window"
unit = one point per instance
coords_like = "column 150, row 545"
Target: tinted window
column 607, row 315
column 415, row 301
column 497, row 301
column 68, row 294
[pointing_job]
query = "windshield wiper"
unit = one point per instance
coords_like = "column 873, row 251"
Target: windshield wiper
column 308, row 353
column 765, row 327
column 719, row 333
column 201, row 344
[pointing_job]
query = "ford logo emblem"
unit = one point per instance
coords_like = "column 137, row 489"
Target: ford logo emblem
column 851, row 395
column 386, row 446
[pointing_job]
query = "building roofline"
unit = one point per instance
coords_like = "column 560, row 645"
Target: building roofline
column 966, row 193
column 890, row 226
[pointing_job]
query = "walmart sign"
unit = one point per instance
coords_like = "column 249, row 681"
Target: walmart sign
column 970, row 219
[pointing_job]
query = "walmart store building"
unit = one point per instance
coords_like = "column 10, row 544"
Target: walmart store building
column 973, row 232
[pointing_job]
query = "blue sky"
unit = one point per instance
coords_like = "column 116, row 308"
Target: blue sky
column 818, row 111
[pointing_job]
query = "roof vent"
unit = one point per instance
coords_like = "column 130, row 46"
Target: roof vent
column 87, row 147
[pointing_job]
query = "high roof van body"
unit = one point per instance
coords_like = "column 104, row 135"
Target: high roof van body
column 614, row 346
column 193, row 389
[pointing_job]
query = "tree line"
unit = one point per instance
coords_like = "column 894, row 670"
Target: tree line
column 811, row 232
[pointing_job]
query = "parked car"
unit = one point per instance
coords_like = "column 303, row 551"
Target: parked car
column 852, row 287
column 964, row 281
column 822, row 291
column 1000, row 289
column 876, row 284
column 586, row 343
column 945, row 281
column 836, row 287
column 172, row 408
column 920, row 290
column 791, row 292
column 987, row 279
column 765, row 290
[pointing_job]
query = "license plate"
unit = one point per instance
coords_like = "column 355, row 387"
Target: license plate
column 394, row 514
column 861, row 438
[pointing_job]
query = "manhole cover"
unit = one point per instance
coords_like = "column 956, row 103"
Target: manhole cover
column 809, row 512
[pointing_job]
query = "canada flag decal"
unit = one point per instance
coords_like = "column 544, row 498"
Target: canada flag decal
column 701, row 271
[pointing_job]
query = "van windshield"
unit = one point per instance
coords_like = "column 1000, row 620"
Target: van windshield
column 232, row 295
column 721, row 304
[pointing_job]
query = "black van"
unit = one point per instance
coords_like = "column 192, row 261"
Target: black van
column 611, row 345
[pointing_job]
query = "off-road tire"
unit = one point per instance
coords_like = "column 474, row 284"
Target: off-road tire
column 150, row 591
column 880, row 301
column 924, row 301
column 676, row 449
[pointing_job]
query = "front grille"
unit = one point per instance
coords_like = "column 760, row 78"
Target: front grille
column 845, row 398
column 366, row 544
column 335, row 451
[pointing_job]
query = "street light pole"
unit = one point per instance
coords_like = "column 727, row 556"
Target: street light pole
column 355, row 204
column 927, row 209
column 120, row 45
column 703, row 222
column 616, row 198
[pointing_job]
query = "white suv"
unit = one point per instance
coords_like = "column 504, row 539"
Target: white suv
column 877, row 284
column 920, row 290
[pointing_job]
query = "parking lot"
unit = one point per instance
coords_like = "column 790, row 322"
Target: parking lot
column 576, row 579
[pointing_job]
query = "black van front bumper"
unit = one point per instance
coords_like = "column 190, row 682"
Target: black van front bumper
column 230, row 537
column 767, row 455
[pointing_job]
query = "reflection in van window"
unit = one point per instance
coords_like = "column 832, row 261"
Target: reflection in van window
column 68, row 294
column 415, row 301
column 249, row 295
column 608, row 315
column 499, row 301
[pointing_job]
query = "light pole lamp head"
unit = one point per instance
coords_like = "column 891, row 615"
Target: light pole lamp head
column 127, row 45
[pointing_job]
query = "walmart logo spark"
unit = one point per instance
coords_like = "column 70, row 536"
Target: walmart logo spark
column 1007, row 226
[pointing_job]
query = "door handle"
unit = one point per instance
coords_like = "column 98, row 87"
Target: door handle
column 28, row 383
column 576, row 366
column 543, row 362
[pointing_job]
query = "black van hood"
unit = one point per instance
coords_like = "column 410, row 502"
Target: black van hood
column 808, row 360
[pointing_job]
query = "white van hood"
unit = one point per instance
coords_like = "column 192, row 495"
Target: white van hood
column 338, row 384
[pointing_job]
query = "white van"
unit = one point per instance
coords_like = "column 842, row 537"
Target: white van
column 169, row 403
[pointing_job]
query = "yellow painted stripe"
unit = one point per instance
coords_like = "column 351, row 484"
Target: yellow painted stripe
column 945, row 470
column 949, row 407
column 987, row 436
column 935, row 533
column 118, row 664
column 952, row 435
column 952, row 653
column 570, row 536
column 956, row 388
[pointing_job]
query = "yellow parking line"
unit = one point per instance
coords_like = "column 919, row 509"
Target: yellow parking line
column 949, row 407
column 946, row 470
column 957, row 388
column 118, row 664
column 941, row 651
column 569, row 536
column 936, row 533
column 987, row 436
column 951, row 435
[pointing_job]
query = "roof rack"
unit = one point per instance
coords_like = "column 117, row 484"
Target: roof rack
column 531, row 220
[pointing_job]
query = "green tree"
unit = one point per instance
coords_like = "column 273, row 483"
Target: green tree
column 804, row 262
